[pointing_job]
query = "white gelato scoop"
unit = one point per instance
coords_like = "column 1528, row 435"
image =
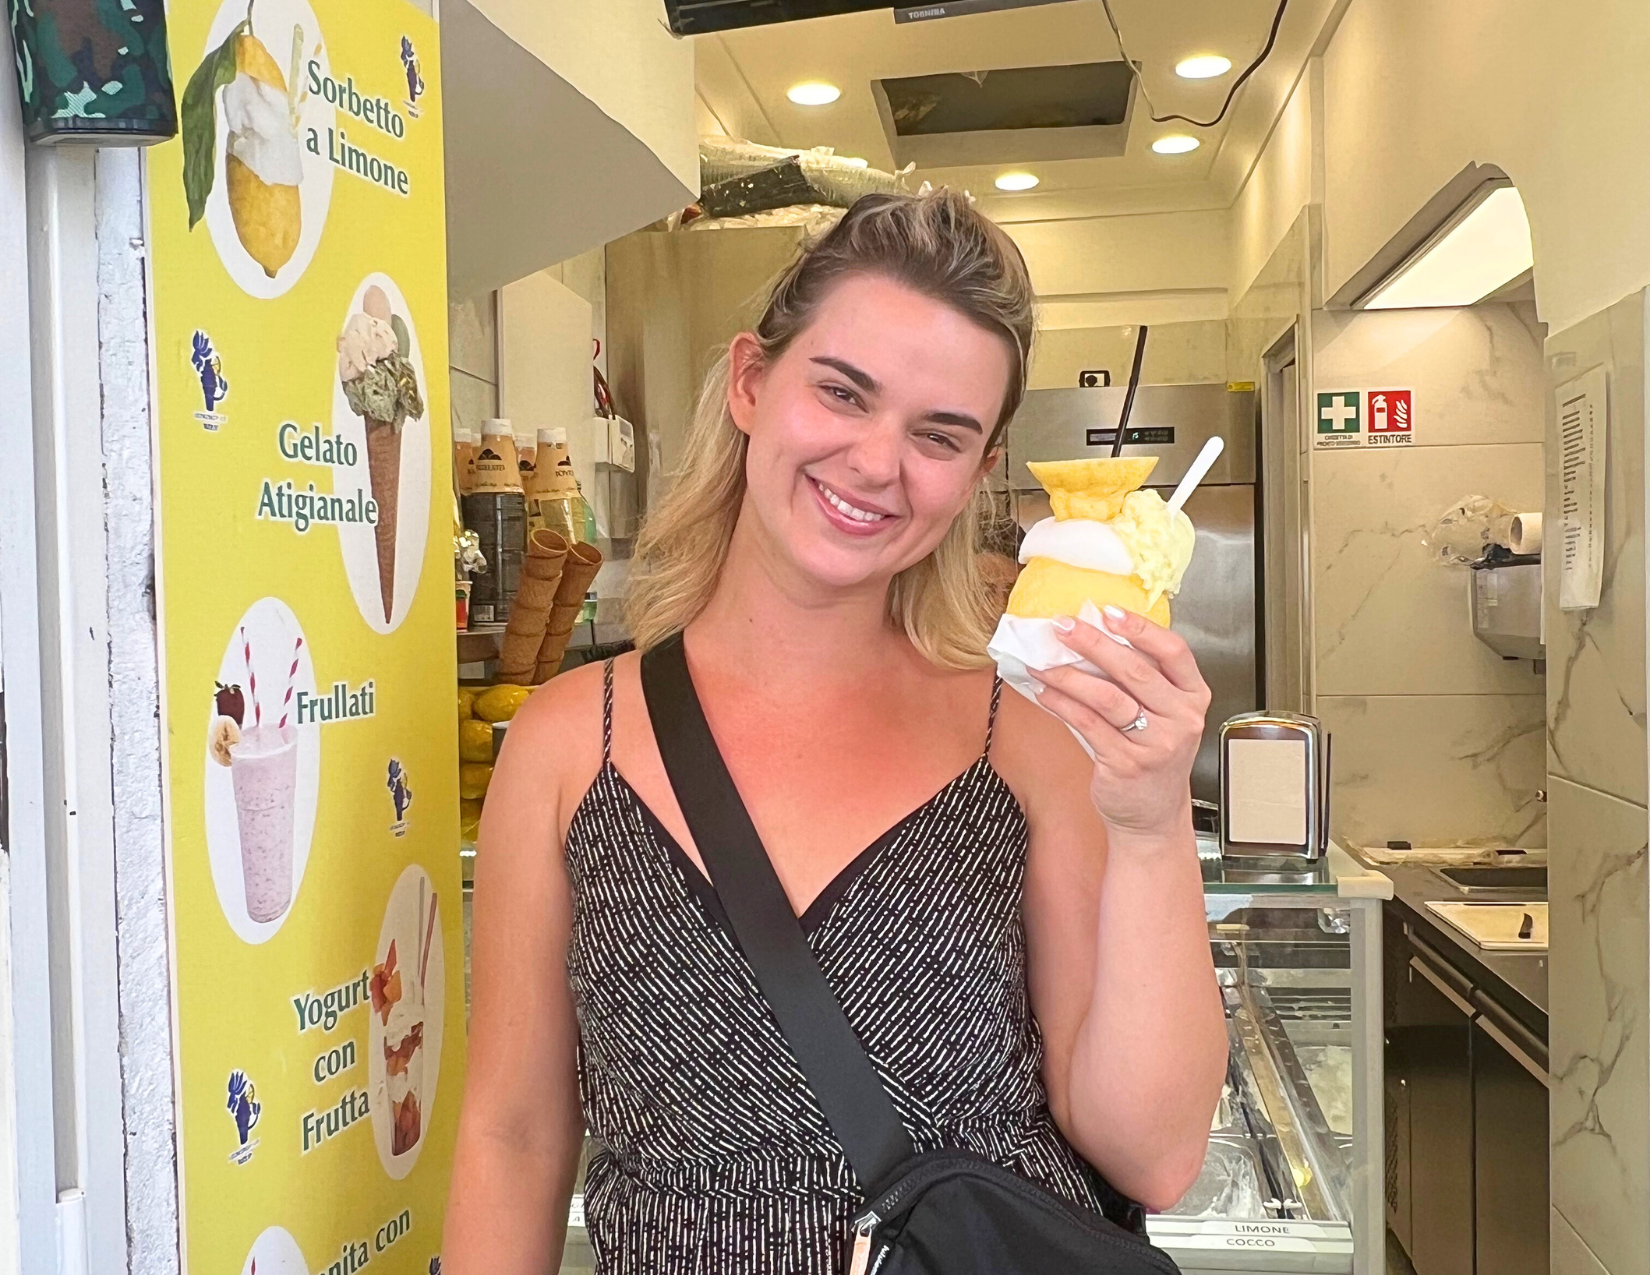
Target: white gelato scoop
column 258, row 119
column 1078, row 542
column 362, row 343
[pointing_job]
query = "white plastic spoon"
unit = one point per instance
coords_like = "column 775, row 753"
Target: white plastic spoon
column 1201, row 466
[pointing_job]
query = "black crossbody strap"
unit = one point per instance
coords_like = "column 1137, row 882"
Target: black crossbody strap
column 847, row 1087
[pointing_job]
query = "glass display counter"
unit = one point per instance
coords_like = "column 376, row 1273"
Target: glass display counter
column 1293, row 1177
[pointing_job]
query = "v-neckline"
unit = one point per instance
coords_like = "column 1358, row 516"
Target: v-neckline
column 814, row 915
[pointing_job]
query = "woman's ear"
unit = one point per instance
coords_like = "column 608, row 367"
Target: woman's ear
column 992, row 457
column 745, row 368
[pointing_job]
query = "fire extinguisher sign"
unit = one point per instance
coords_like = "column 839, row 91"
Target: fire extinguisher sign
column 1391, row 418
column 1365, row 418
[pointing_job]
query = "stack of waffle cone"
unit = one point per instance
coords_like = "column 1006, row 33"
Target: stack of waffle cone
column 541, row 574
column 583, row 561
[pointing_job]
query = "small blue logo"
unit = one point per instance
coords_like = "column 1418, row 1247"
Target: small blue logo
column 401, row 794
column 244, row 1107
column 209, row 367
column 415, row 76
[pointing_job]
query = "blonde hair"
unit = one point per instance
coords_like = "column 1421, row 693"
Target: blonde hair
column 935, row 243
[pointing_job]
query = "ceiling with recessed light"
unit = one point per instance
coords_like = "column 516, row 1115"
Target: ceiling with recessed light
column 744, row 77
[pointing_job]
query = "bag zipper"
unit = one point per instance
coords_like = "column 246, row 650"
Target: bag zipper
column 863, row 1230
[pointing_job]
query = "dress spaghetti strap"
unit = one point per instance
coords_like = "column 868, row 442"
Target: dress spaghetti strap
column 607, row 713
column 991, row 721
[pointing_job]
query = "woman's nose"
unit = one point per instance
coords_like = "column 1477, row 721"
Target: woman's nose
column 875, row 453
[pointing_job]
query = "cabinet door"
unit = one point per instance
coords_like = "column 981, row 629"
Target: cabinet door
column 1395, row 954
column 1437, row 1047
column 1510, row 1133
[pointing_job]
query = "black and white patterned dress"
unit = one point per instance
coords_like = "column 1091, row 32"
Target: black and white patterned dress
column 712, row 1154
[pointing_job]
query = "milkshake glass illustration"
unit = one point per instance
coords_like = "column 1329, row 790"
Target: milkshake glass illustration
column 263, row 767
column 381, row 386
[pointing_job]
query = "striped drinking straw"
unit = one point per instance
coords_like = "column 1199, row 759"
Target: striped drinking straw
column 251, row 679
column 291, row 678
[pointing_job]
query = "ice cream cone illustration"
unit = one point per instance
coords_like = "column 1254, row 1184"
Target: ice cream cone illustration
column 381, row 385
column 263, row 157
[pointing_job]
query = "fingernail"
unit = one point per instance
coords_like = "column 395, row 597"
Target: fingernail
column 1064, row 623
column 1037, row 687
column 1116, row 613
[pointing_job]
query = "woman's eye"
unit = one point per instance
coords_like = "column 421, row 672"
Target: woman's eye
column 944, row 440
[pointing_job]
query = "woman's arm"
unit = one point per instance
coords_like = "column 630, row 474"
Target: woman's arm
column 1121, row 976
column 521, row 1128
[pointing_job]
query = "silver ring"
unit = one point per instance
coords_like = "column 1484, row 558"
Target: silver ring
column 1139, row 723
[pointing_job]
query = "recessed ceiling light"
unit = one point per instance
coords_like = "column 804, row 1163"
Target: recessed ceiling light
column 1175, row 144
column 855, row 162
column 1486, row 247
column 1017, row 181
column 1204, row 67
column 814, row 93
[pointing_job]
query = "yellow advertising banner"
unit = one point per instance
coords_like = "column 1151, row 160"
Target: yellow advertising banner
column 297, row 252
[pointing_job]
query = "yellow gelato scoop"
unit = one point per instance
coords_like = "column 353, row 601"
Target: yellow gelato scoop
column 1159, row 539
column 1103, row 490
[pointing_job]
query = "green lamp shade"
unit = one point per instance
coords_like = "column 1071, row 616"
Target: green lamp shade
column 94, row 71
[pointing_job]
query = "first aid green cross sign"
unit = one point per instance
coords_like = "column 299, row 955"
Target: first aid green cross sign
column 1340, row 412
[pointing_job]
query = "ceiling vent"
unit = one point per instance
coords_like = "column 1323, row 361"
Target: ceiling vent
column 1015, row 115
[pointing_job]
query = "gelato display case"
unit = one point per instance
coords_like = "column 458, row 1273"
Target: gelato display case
column 1293, row 1176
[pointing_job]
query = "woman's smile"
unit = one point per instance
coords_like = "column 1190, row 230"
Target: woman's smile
column 855, row 516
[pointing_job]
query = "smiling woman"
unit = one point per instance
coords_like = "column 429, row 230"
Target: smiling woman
column 955, row 318
column 805, row 830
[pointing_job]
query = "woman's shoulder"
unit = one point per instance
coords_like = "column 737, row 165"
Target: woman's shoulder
column 557, row 735
column 1036, row 755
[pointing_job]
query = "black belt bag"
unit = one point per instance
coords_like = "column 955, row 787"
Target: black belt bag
column 940, row 1213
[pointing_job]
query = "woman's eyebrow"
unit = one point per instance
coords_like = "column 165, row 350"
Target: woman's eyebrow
column 869, row 384
column 864, row 380
column 955, row 418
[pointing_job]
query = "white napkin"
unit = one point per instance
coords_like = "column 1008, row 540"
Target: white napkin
column 1023, row 646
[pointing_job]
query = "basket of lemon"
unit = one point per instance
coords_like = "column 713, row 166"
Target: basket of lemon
column 480, row 713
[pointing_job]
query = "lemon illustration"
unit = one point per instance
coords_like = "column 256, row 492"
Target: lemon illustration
column 268, row 215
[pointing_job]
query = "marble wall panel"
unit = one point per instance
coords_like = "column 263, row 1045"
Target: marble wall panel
column 473, row 400
column 1276, row 298
column 1436, row 769
column 1570, row 1254
column 1596, row 658
column 1600, row 962
column 1477, row 373
column 1389, row 618
column 472, row 336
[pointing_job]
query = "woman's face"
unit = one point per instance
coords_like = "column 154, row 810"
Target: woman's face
column 867, row 435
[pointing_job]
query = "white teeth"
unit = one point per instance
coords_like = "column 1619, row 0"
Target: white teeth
column 842, row 506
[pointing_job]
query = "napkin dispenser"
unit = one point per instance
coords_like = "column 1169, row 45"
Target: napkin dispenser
column 1274, row 786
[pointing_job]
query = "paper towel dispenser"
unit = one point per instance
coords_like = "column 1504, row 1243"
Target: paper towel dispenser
column 1274, row 786
column 1506, row 604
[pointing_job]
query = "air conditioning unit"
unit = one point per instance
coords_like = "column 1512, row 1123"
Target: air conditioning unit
column 691, row 17
column 694, row 17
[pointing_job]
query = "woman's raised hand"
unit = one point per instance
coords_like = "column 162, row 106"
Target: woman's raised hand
column 1143, row 726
